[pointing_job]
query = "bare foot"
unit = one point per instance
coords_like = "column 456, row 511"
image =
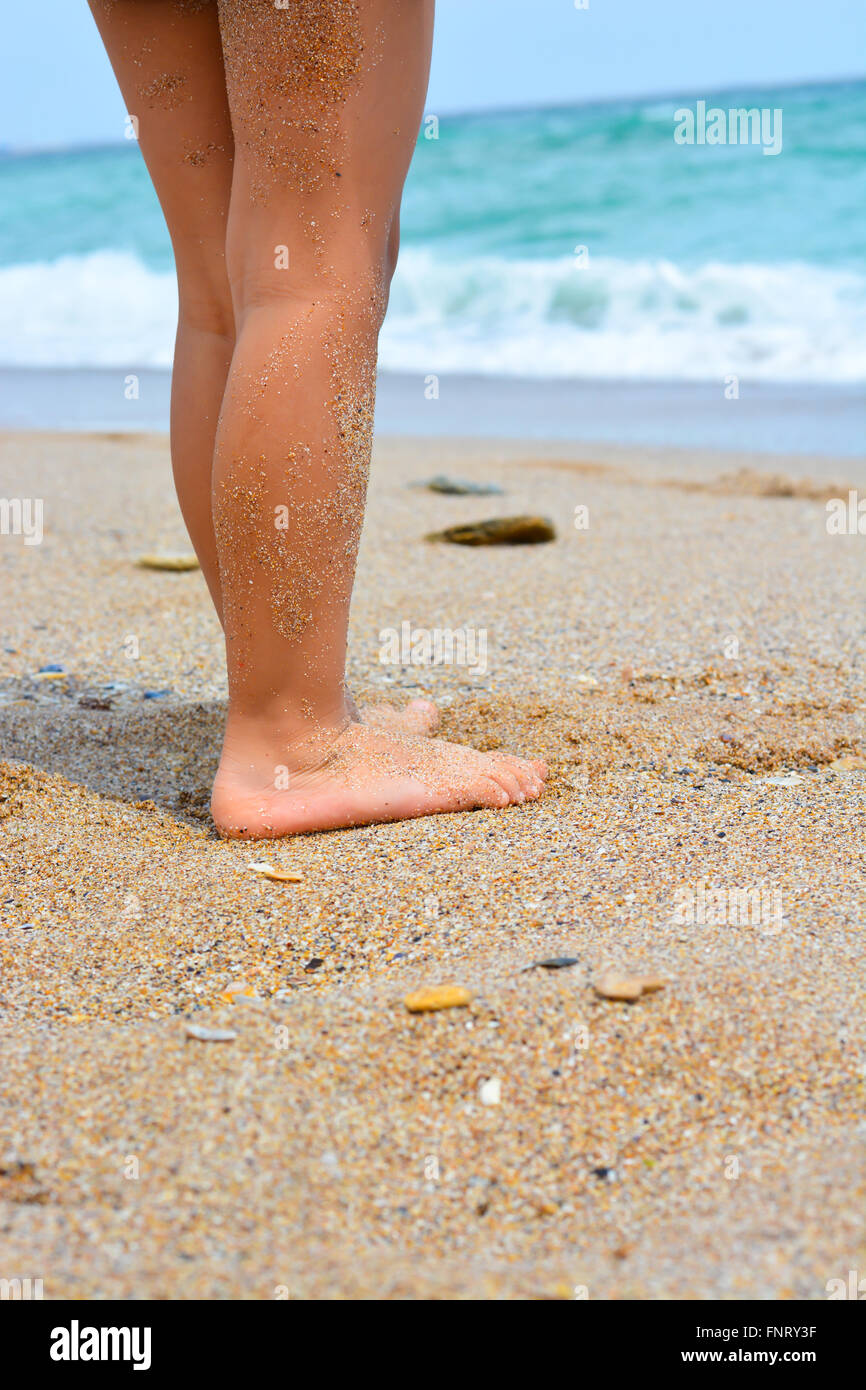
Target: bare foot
column 359, row 776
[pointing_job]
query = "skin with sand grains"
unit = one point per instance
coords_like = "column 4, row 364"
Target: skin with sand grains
column 320, row 103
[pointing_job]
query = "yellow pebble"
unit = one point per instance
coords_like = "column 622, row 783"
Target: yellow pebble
column 425, row 1001
column 168, row 562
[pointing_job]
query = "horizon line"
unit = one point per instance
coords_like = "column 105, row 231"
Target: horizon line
column 92, row 146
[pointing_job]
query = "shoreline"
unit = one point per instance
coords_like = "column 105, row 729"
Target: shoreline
column 768, row 417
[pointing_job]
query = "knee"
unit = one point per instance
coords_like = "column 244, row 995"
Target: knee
column 206, row 308
column 346, row 282
column 204, row 289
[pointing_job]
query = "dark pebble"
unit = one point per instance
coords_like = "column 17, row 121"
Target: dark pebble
column 43, row 669
column 155, row 694
column 555, row 963
column 461, row 487
column 315, row 964
column 501, row 530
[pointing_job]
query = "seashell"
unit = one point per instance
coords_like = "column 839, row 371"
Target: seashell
column 265, row 870
column 233, row 993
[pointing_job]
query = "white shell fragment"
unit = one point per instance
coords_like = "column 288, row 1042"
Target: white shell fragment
column 266, row 870
column 194, row 1030
column 490, row 1092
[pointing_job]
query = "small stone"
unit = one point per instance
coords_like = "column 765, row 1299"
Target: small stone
column 502, row 530
column 651, row 984
column 315, row 964
column 94, row 702
column 554, row 963
column 848, row 763
column 434, row 997
column 179, row 561
column 155, row 694
column 613, row 986
column 788, row 780
column 490, row 1092
column 51, row 673
column 629, row 987
column 461, row 487
column 194, row 1030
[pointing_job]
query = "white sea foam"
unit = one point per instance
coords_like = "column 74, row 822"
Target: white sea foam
column 546, row 318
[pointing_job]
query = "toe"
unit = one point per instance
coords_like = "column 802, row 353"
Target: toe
column 500, row 796
column 423, row 714
column 527, row 779
column 508, row 777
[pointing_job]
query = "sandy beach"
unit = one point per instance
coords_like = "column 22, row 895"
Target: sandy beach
column 689, row 660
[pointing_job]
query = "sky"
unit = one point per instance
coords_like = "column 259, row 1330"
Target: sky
column 57, row 89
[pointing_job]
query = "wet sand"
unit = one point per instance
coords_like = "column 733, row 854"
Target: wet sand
column 770, row 417
column 702, row 635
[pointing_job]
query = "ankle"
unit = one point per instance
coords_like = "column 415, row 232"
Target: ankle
column 277, row 729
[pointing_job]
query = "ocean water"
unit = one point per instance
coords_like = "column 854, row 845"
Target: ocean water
column 562, row 243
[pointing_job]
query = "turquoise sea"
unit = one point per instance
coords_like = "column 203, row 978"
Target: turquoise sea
column 578, row 242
